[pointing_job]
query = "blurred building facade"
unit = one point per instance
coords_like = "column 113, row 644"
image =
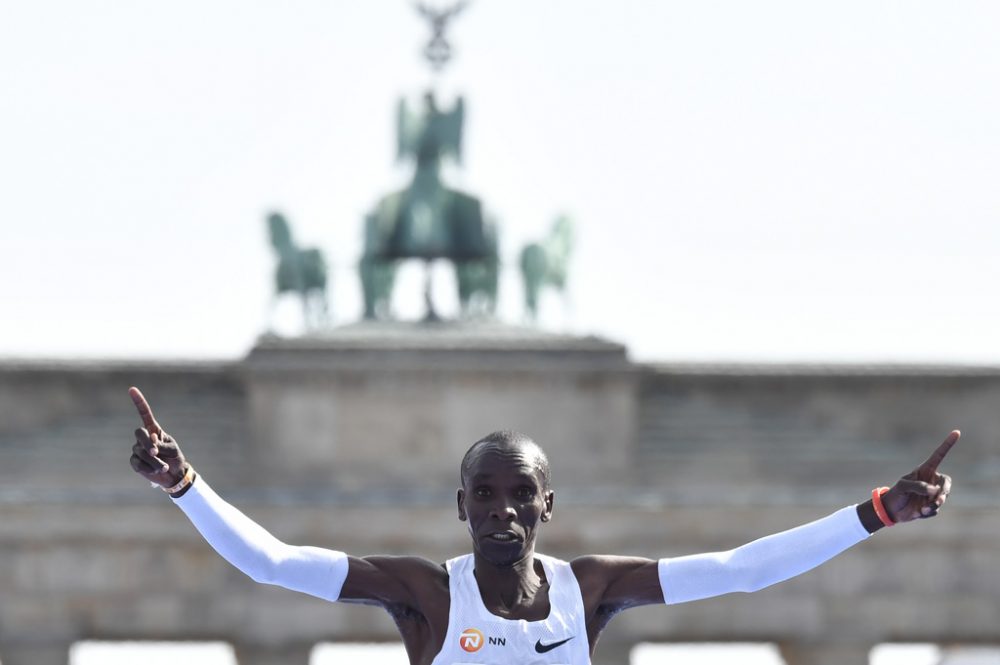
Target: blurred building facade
column 352, row 440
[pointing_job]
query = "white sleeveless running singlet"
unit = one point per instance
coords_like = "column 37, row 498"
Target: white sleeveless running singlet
column 476, row 636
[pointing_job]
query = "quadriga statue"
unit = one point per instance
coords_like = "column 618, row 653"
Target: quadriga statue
column 428, row 220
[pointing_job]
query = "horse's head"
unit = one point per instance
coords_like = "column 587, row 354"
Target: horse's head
column 281, row 234
column 562, row 233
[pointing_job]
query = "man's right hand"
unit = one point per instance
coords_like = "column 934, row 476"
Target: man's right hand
column 155, row 455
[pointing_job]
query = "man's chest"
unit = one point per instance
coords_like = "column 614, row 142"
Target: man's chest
column 506, row 642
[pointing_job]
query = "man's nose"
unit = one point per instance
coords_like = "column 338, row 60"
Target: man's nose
column 503, row 512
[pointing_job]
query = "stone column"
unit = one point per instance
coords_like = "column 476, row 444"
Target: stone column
column 34, row 653
column 286, row 654
column 825, row 653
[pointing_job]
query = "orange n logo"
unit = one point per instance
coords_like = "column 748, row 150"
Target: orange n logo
column 471, row 640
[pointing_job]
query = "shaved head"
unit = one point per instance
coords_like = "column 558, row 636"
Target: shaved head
column 508, row 441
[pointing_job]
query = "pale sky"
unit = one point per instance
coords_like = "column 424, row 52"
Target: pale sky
column 751, row 181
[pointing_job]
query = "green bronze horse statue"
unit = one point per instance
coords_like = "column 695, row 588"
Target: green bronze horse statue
column 546, row 263
column 299, row 271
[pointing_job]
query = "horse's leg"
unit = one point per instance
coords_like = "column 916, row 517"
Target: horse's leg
column 324, row 307
column 320, row 307
column 307, row 323
column 462, row 282
column 269, row 317
column 432, row 315
column 531, row 302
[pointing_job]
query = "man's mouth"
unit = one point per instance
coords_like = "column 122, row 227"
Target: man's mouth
column 503, row 537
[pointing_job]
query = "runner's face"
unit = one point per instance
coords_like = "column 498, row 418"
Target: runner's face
column 504, row 499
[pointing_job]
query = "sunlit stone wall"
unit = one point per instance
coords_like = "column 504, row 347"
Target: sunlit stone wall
column 648, row 460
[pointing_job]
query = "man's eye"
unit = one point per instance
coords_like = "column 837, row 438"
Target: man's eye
column 525, row 493
column 482, row 492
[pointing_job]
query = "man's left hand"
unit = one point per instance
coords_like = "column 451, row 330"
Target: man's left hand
column 921, row 493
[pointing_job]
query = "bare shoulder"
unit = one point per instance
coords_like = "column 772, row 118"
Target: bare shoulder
column 393, row 580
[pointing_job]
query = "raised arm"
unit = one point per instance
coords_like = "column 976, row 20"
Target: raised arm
column 616, row 583
column 324, row 573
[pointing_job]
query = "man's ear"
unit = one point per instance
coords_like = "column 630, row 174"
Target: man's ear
column 461, row 505
column 550, row 498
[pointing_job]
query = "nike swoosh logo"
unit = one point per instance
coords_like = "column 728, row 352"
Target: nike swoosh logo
column 545, row 648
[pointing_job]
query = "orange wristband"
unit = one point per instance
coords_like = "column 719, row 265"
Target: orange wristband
column 186, row 480
column 879, row 508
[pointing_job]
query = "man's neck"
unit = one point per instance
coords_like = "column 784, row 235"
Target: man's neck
column 513, row 588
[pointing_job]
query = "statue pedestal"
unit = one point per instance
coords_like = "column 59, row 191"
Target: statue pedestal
column 398, row 404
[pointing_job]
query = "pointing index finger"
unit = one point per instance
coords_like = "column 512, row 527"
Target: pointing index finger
column 930, row 466
column 146, row 413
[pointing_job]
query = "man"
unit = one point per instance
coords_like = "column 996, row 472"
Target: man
column 505, row 603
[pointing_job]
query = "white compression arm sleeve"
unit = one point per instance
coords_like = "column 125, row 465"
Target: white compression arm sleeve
column 248, row 546
column 761, row 563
